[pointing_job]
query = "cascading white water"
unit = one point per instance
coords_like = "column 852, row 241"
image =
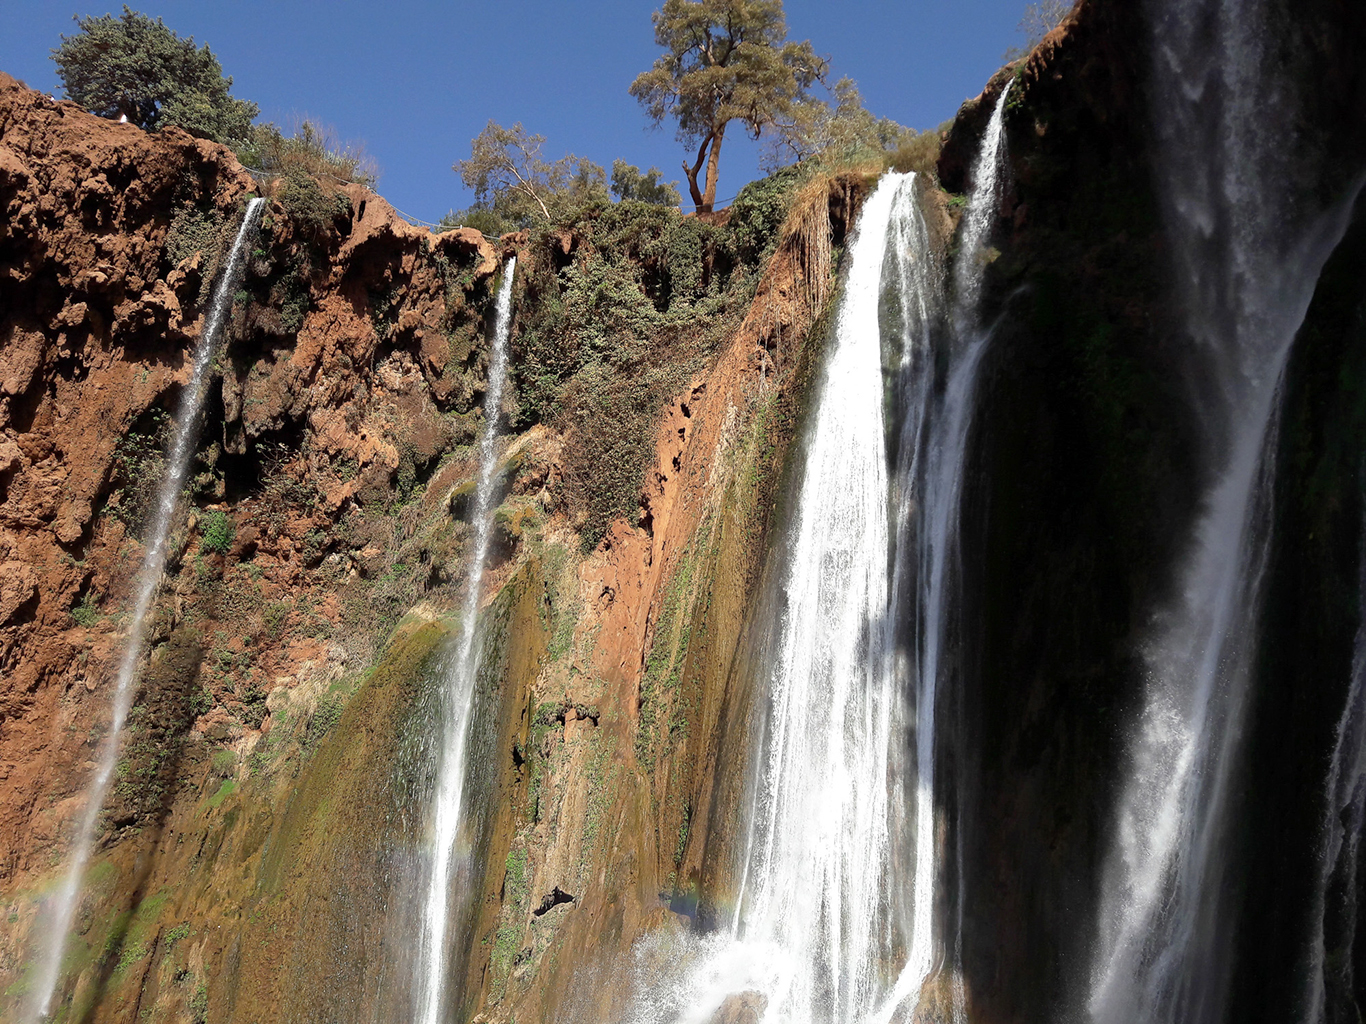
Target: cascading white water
column 810, row 914
column 145, row 589
column 460, row 671
column 937, row 416
column 821, row 931
column 1246, row 263
column 1344, row 824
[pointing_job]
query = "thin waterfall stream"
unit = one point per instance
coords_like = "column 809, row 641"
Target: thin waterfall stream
column 145, row 589
column 1246, row 261
column 933, row 452
column 461, row 670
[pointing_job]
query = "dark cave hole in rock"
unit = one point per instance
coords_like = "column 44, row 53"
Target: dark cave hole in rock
column 552, row 899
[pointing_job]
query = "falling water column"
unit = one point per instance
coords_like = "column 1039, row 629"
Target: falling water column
column 461, row 668
column 146, row 584
column 1246, row 257
column 933, row 455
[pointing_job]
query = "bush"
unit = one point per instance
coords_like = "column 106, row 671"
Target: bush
column 139, row 464
column 85, row 613
column 192, row 231
column 312, row 149
column 306, row 203
column 919, row 153
column 217, row 532
column 480, row 217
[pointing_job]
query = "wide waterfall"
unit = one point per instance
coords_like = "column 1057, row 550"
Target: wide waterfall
column 460, row 670
column 146, row 585
column 1246, row 261
column 835, row 917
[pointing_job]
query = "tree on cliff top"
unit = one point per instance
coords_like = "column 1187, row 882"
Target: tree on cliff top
column 844, row 129
column 135, row 66
column 509, row 177
column 726, row 60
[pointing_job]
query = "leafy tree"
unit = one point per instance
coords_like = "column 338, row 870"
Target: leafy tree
column 509, row 177
column 725, row 60
column 312, row 148
column 815, row 128
column 629, row 183
column 136, row 67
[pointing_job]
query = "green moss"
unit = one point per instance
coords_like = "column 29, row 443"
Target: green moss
column 516, row 897
column 225, row 789
column 687, row 594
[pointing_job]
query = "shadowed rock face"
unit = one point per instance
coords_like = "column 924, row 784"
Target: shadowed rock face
column 1086, row 482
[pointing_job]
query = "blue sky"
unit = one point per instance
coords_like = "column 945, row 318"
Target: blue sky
column 416, row 81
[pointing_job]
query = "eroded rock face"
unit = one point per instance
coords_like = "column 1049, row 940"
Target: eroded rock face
column 328, row 497
column 109, row 243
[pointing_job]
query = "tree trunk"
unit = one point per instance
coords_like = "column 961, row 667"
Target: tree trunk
column 693, row 171
column 709, row 197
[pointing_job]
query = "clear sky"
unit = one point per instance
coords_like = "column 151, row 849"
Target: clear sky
column 417, row 80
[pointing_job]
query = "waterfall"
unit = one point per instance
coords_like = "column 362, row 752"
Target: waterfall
column 145, row 589
column 460, row 671
column 1246, row 261
column 835, row 912
column 1338, row 891
column 937, row 413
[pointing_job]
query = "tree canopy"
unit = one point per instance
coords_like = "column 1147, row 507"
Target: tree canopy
column 135, row 66
column 509, row 176
column 815, row 127
column 724, row 61
column 629, row 183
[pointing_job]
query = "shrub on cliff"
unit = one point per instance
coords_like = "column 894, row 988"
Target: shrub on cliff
column 311, row 149
column 136, row 67
column 217, row 532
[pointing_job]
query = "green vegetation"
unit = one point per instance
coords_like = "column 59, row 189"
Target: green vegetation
column 514, row 186
column 629, row 183
column 193, row 231
column 139, row 462
column 516, row 897
column 664, row 665
column 135, row 67
column 311, row 149
column 217, row 532
column 85, row 613
column 609, row 335
column 225, row 789
column 224, row 763
column 725, row 60
column 327, row 714
column 307, row 203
